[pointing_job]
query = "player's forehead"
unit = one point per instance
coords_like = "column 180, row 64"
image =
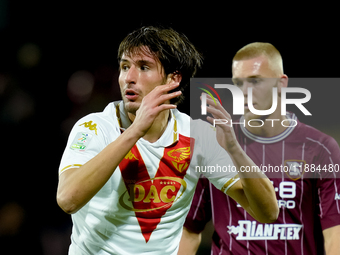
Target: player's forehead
column 247, row 67
column 253, row 67
column 140, row 54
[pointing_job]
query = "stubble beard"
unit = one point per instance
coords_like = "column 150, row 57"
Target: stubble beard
column 131, row 107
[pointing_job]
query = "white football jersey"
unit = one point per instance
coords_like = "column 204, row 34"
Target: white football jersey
column 142, row 207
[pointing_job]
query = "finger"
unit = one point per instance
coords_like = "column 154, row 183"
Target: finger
column 156, row 95
column 226, row 124
column 167, row 87
column 165, row 97
column 215, row 121
column 217, row 114
column 162, row 89
column 157, row 110
column 215, row 103
column 163, row 107
column 210, row 119
column 217, row 106
column 212, row 99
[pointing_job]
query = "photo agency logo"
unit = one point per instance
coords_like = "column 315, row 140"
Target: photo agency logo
column 264, row 103
column 204, row 97
column 242, row 102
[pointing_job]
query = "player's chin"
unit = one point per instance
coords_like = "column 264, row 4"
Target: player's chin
column 131, row 107
column 250, row 116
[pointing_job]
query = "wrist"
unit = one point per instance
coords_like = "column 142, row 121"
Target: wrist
column 133, row 132
column 234, row 149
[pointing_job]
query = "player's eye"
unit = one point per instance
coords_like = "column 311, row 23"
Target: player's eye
column 124, row 67
column 239, row 84
column 255, row 81
column 144, row 68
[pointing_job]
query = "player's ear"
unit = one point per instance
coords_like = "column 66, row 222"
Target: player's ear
column 174, row 77
column 283, row 83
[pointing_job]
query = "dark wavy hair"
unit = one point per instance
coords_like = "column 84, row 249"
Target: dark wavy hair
column 174, row 51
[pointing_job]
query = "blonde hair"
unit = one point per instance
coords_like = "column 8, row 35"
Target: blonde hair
column 258, row 49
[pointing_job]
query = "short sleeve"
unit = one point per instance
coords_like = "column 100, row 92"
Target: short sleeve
column 85, row 142
column 329, row 187
column 215, row 164
column 329, row 205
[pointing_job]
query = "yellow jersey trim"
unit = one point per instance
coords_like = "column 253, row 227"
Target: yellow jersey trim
column 70, row 166
column 229, row 183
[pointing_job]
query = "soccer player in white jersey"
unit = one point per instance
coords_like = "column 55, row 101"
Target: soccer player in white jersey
column 126, row 175
column 309, row 218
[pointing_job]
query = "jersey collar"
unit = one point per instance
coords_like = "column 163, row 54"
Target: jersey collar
column 168, row 138
column 273, row 139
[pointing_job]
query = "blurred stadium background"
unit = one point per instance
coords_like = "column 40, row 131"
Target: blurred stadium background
column 58, row 63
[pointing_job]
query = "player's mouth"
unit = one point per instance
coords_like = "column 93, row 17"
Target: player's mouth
column 131, row 94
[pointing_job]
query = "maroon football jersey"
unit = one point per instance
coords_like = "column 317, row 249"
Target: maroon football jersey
column 307, row 164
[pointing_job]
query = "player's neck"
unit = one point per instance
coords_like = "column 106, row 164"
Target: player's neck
column 158, row 127
column 269, row 127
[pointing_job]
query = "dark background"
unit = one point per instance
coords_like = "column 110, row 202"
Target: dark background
column 58, row 63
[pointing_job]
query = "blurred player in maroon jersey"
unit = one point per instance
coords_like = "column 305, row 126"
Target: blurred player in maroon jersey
column 309, row 217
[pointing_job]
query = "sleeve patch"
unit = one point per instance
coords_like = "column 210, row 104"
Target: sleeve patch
column 81, row 141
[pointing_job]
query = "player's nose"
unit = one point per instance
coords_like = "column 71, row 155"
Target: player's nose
column 131, row 76
column 245, row 88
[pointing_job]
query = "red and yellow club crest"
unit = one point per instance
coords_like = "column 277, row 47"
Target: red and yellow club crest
column 179, row 155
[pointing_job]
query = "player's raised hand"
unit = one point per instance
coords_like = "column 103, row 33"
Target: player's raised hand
column 157, row 101
column 225, row 134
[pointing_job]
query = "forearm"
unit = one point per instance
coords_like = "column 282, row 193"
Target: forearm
column 78, row 185
column 254, row 192
column 331, row 240
column 257, row 188
column 189, row 243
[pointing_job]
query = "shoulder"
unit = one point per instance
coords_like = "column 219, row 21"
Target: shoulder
column 312, row 134
column 99, row 122
column 193, row 128
column 317, row 139
column 185, row 120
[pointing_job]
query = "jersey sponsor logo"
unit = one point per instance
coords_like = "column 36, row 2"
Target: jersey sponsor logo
column 250, row 230
column 160, row 191
column 81, row 141
column 295, row 168
column 90, row 126
column 179, row 156
column 150, row 198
